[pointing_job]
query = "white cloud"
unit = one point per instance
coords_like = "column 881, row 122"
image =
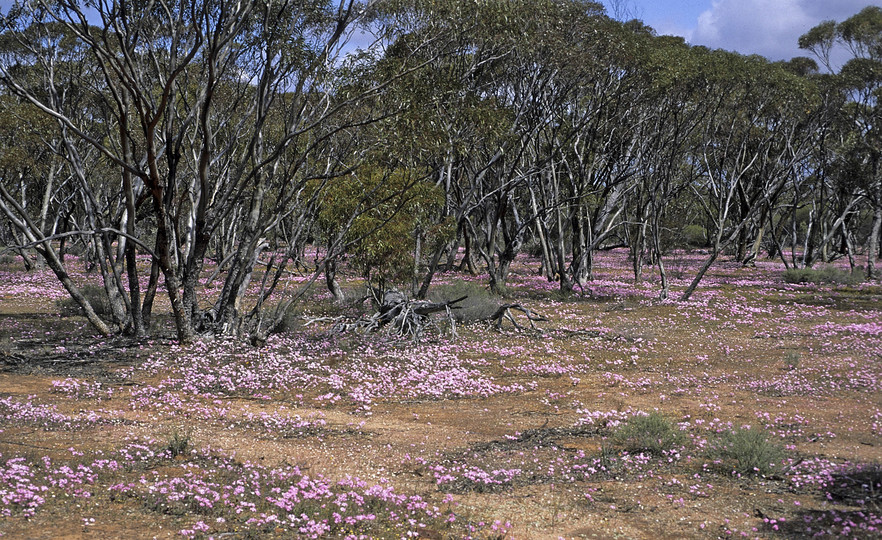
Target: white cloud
column 837, row 10
column 767, row 27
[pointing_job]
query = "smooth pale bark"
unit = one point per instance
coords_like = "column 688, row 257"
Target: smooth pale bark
column 19, row 218
column 873, row 247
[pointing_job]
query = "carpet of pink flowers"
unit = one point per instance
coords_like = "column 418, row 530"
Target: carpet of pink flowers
column 492, row 434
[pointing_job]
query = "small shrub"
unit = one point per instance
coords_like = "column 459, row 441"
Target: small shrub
column 694, row 236
column 748, row 451
column 292, row 319
column 533, row 247
column 481, row 304
column 828, row 275
column 791, row 360
column 290, row 322
column 96, row 296
column 502, row 291
column 607, row 453
column 178, row 442
column 318, row 303
column 556, row 295
column 652, row 433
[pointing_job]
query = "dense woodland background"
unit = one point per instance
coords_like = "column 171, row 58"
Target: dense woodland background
column 155, row 138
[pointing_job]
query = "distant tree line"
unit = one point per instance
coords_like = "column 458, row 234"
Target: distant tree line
column 251, row 133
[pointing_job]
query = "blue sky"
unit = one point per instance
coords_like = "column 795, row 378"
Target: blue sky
column 767, row 27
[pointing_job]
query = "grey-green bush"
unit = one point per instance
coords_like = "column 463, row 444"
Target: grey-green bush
column 747, row 451
column 652, row 433
column 96, row 296
column 480, row 304
column 827, row 275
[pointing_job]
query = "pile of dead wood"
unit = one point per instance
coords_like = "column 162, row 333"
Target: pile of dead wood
column 403, row 316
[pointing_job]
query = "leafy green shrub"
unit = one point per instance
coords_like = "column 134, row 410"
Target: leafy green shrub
column 652, row 433
column 828, row 275
column 96, row 296
column 481, row 304
column 383, row 234
column 747, row 451
column 694, row 235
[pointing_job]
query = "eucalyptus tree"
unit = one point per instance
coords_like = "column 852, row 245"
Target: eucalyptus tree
column 752, row 141
column 30, row 171
column 52, row 71
column 535, row 43
column 829, row 196
column 488, row 102
column 592, row 142
column 674, row 111
column 568, row 85
column 811, row 190
column 222, row 120
column 444, row 115
column 860, row 81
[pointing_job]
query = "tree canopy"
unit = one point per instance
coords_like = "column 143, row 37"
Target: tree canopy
column 243, row 135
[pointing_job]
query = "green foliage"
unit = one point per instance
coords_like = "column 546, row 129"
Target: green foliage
column 863, row 29
column 862, row 72
column 390, row 209
column 694, row 235
column 818, row 36
column 747, row 451
column 801, row 66
column 828, row 275
column 652, row 433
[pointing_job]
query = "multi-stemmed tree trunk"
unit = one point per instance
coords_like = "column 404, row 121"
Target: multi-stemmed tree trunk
column 219, row 128
column 855, row 161
column 215, row 115
column 753, row 139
